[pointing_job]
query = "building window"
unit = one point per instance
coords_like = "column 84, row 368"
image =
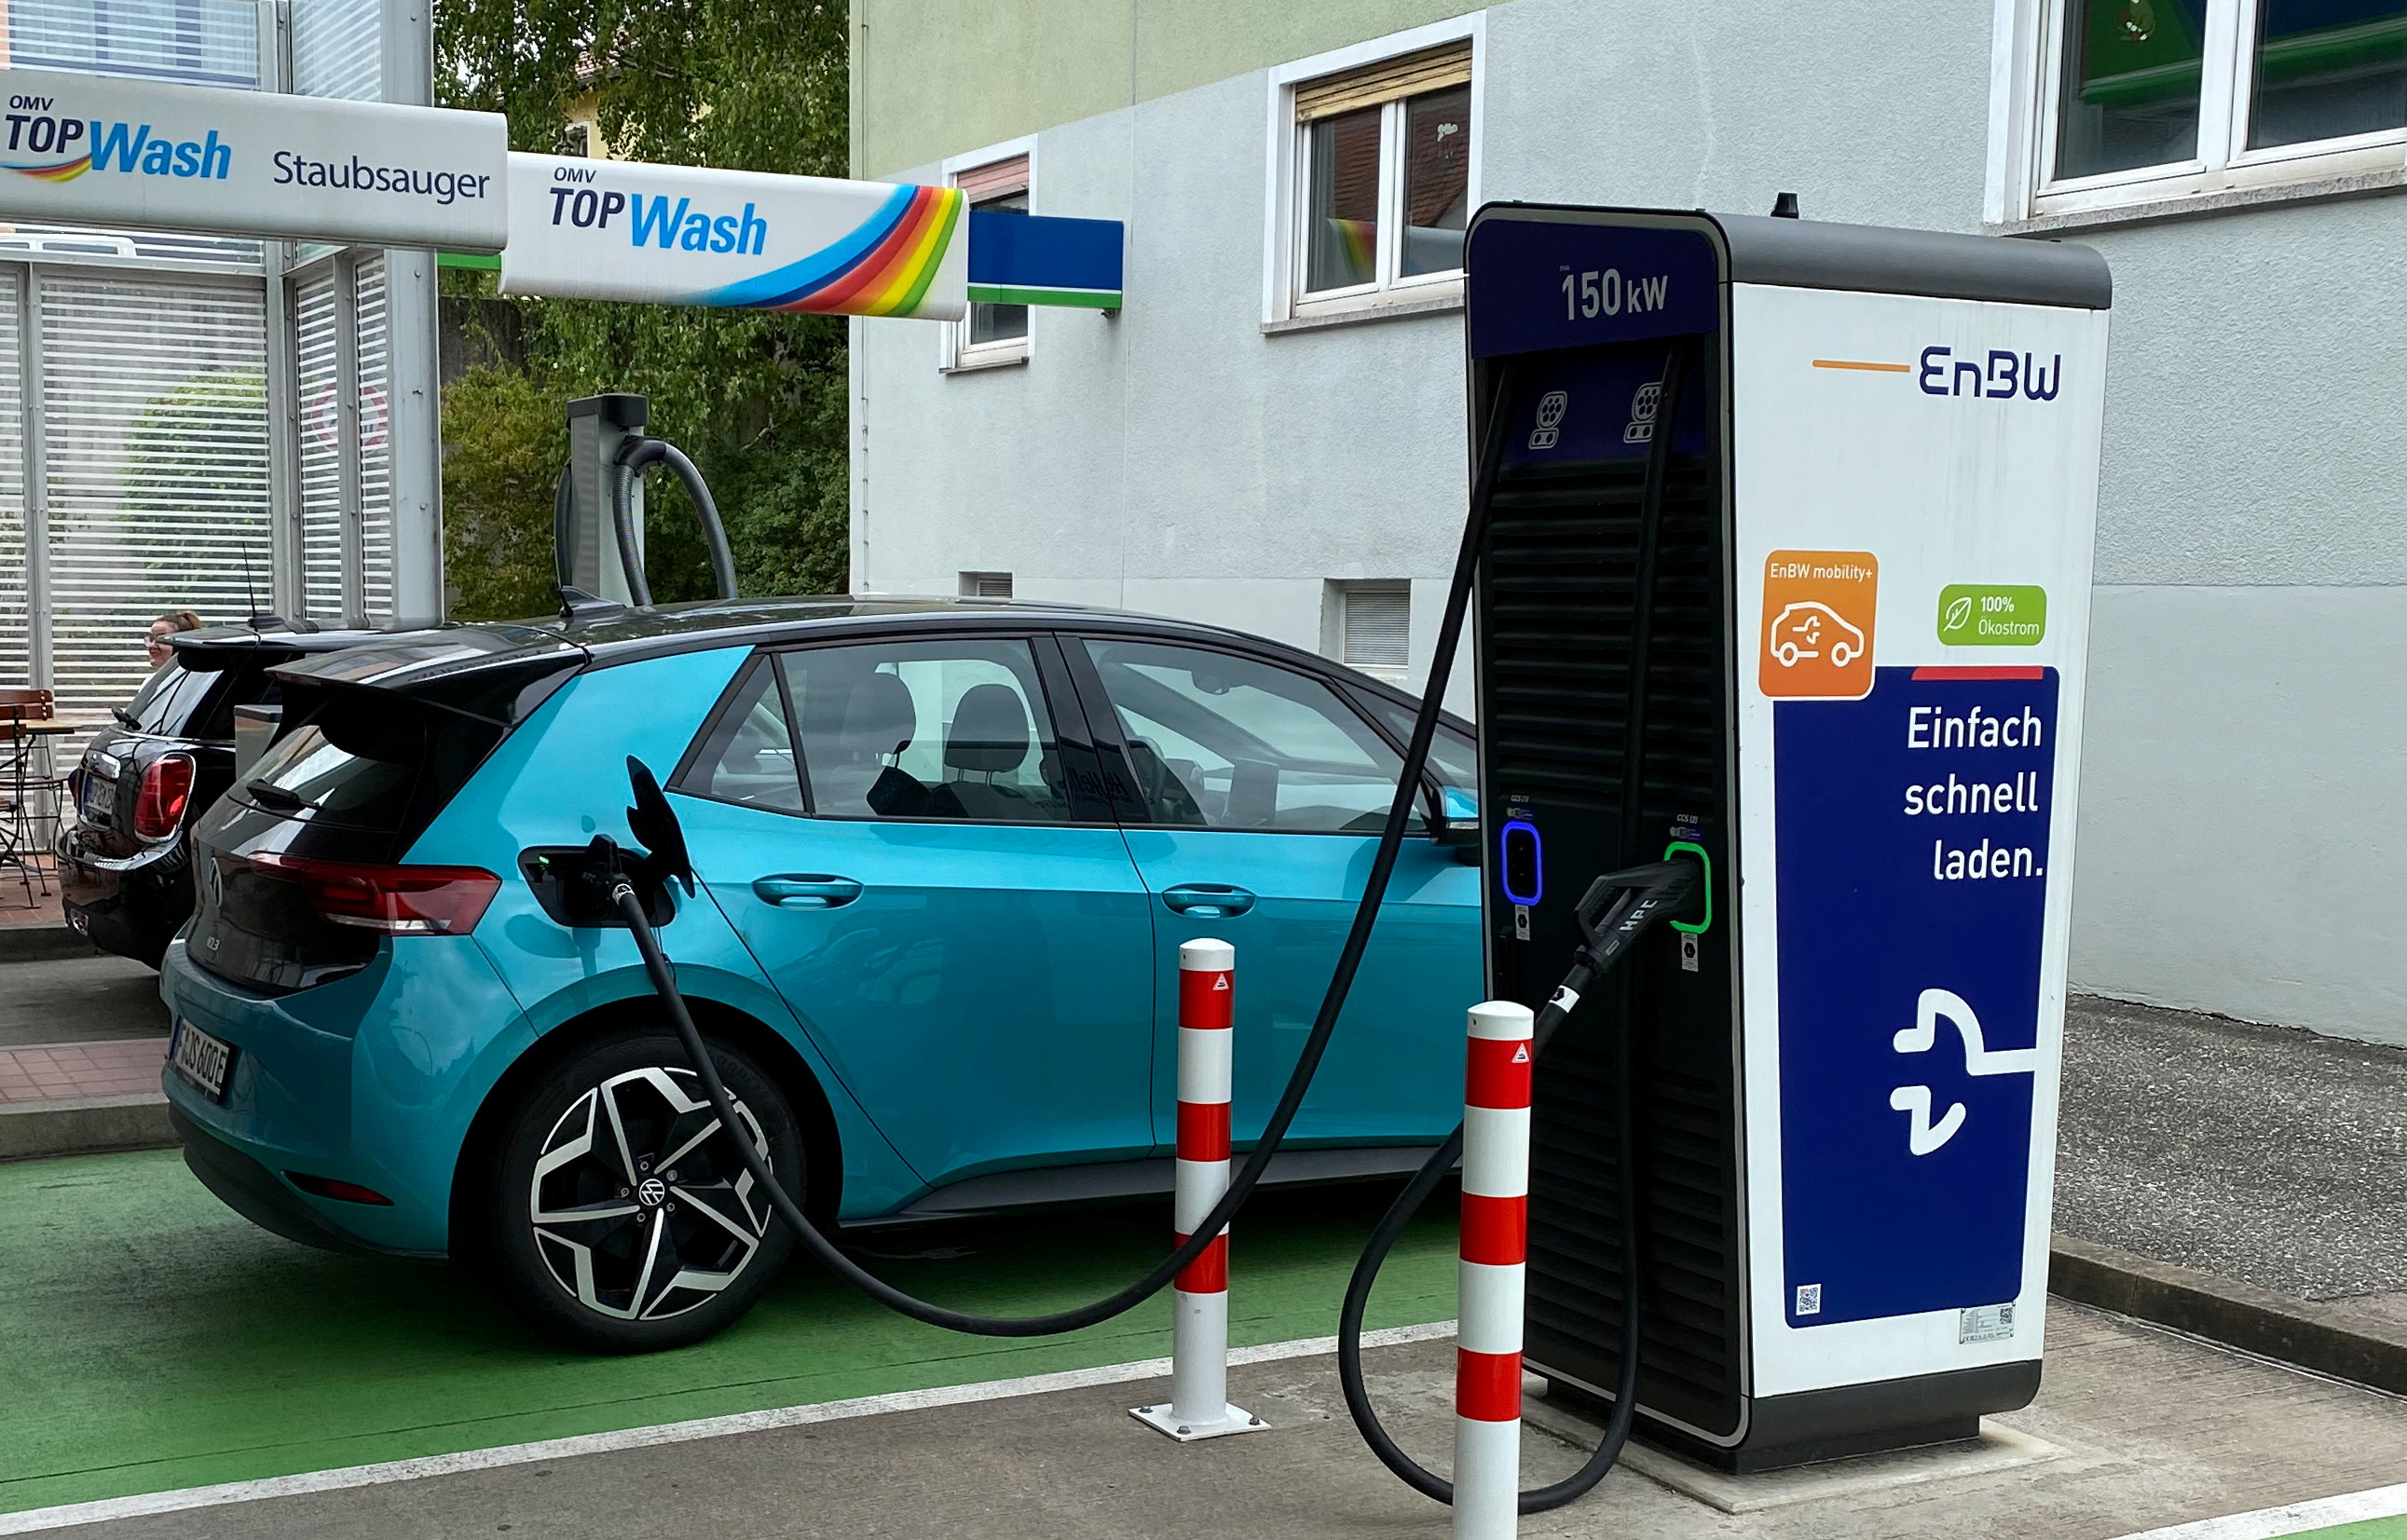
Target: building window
column 1378, row 178
column 992, row 334
column 2142, row 100
column 1372, row 627
column 986, row 584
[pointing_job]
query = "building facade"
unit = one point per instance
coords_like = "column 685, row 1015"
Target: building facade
column 1271, row 435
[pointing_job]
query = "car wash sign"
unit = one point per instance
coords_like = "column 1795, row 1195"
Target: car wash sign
column 617, row 230
column 86, row 150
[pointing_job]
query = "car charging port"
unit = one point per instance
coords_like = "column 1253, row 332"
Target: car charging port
column 572, row 882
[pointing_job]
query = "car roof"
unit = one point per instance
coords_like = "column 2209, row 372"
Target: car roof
column 607, row 636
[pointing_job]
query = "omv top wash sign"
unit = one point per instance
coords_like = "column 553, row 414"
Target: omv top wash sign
column 615, row 230
column 86, row 150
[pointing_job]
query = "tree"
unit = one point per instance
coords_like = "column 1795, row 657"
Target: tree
column 757, row 397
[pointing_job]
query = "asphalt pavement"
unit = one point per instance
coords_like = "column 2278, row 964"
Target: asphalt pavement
column 87, row 999
column 2269, row 1154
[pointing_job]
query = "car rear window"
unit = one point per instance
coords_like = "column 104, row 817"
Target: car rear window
column 173, row 700
column 370, row 760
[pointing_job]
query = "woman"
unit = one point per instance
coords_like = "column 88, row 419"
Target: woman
column 164, row 627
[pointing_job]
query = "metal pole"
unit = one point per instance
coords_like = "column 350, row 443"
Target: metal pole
column 413, row 406
column 1198, row 1351
column 1495, row 1269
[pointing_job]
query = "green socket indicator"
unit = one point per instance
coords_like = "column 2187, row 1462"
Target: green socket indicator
column 1992, row 615
column 1695, row 927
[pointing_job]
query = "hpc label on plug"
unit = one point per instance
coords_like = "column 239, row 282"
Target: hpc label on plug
column 1912, row 862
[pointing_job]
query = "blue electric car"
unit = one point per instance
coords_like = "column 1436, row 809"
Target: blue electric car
column 946, row 852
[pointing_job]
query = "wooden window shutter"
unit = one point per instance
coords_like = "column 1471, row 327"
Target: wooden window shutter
column 997, row 179
column 1388, row 81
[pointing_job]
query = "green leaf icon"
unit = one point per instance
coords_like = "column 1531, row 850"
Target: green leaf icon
column 1957, row 614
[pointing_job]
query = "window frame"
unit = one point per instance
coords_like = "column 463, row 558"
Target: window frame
column 2025, row 126
column 1110, row 743
column 956, row 353
column 1287, row 183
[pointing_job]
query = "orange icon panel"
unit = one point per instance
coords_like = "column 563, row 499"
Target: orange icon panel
column 1817, row 625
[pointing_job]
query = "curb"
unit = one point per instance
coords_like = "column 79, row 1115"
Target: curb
column 37, row 943
column 2302, row 1332
column 86, row 1125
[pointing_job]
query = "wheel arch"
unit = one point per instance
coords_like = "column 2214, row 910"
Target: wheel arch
column 815, row 1119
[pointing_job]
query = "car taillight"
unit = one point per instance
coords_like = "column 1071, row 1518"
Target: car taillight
column 395, row 899
column 159, row 804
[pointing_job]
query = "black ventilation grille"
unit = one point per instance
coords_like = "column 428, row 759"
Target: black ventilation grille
column 1554, row 657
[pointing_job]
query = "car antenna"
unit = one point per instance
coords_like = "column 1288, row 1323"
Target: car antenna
column 250, row 591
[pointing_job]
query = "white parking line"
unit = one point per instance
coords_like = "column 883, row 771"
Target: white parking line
column 33, row 1519
column 2292, row 1518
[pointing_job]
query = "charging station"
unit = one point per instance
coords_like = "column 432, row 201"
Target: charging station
column 1788, row 570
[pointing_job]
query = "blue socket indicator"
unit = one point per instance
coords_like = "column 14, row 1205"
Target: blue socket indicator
column 1523, row 866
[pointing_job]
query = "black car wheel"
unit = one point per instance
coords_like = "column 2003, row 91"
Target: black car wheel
column 621, row 1217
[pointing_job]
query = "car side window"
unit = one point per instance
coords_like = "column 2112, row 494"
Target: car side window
column 746, row 755
column 1225, row 741
column 1453, row 760
column 946, row 729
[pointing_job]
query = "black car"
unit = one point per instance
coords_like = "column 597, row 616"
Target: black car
column 124, row 878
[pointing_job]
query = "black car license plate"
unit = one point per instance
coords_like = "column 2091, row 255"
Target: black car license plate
column 99, row 799
column 201, row 1059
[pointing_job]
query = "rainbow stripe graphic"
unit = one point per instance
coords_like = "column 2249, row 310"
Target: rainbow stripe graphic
column 881, row 268
column 64, row 171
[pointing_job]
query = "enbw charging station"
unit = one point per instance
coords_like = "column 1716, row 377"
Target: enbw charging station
column 1788, row 568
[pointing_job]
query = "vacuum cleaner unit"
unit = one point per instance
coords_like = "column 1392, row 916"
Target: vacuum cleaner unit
column 1787, row 571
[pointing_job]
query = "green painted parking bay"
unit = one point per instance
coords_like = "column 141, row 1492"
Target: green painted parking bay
column 156, row 1341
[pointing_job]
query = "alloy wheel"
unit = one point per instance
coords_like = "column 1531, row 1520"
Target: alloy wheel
column 641, row 1205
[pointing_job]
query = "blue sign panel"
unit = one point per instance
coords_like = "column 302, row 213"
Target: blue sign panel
column 1532, row 283
column 1912, row 880
column 1035, row 252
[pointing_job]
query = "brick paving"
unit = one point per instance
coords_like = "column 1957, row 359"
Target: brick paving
column 73, row 1070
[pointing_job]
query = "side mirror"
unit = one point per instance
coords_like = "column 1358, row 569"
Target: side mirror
column 654, row 824
column 1458, row 820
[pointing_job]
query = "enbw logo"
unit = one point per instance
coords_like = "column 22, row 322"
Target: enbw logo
column 1996, row 378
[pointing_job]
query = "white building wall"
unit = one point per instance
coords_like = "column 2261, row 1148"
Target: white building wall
column 2242, row 834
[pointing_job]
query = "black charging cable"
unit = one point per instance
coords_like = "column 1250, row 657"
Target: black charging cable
column 637, row 454
column 1618, row 907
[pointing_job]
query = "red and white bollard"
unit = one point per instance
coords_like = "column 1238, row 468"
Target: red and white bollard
column 1198, row 1351
column 1495, row 1269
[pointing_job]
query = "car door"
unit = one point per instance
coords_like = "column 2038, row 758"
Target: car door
column 1261, row 792
column 964, row 938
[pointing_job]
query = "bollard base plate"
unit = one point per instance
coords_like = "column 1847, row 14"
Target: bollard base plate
column 1233, row 1419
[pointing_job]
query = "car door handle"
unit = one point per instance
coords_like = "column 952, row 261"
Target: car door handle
column 807, row 890
column 1208, row 900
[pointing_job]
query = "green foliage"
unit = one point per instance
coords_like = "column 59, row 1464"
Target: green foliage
column 756, row 398
column 504, row 440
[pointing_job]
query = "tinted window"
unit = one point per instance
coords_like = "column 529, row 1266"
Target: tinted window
column 1229, row 742
column 926, row 730
column 748, row 756
column 370, row 760
column 171, row 698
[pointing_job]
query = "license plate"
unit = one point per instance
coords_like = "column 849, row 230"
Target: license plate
column 203, row 1060
column 99, row 799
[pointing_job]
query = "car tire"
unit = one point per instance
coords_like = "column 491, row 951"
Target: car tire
column 655, row 1241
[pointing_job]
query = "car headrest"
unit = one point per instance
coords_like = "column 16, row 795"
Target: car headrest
column 989, row 730
column 879, row 719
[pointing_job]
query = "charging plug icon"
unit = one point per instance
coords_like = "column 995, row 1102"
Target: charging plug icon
column 1922, row 1135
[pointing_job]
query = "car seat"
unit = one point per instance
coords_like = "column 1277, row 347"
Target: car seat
column 989, row 736
column 879, row 721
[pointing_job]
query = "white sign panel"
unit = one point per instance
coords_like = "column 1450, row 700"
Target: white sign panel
column 86, row 150
column 617, row 230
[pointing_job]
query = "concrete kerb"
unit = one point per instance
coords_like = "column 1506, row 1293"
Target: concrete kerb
column 2311, row 1336
column 42, row 943
column 85, row 1125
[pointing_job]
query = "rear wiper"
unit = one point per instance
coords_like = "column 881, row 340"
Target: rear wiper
column 268, row 794
column 124, row 718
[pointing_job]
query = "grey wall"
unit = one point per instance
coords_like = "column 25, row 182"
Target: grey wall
column 2240, row 833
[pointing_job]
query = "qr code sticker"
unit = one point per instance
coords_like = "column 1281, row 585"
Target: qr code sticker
column 1809, row 1299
